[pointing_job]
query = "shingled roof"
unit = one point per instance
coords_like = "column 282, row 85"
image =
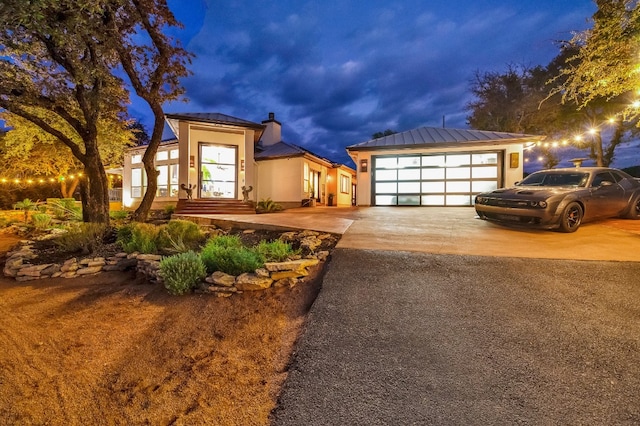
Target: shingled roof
column 437, row 136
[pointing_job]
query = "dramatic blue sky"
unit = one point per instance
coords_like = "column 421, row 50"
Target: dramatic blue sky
column 335, row 72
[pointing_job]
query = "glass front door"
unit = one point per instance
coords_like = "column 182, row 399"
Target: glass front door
column 218, row 171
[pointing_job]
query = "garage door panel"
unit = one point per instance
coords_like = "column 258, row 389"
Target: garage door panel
column 434, row 180
column 459, row 173
column 483, row 186
column 408, row 187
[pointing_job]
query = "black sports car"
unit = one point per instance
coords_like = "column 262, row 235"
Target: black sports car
column 563, row 198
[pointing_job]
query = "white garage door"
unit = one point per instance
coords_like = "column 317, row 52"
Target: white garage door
column 434, row 179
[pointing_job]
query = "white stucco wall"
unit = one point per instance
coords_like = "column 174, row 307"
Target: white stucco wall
column 280, row 179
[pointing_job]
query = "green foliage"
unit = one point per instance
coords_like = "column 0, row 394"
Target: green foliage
column 41, row 220
column 118, row 214
column 180, row 236
column 226, row 241
column 182, row 272
column 268, row 206
column 139, row 237
column 64, row 208
column 274, row 251
column 86, row 237
column 169, row 209
column 224, row 254
column 26, row 206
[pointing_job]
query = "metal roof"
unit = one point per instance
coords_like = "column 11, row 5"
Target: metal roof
column 438, row 136
column 214, row 117
column 283, row 150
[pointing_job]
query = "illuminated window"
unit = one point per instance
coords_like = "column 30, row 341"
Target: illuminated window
column 345, row 184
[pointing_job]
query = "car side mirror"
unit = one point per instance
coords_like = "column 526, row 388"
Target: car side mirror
column 606, row 183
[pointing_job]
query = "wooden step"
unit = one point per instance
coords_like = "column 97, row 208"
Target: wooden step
column 214, row 206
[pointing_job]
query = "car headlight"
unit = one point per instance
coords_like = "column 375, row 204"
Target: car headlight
column 540, row 204
column 480, row 200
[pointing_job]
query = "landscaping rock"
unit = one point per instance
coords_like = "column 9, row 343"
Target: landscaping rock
column 89, row 270
column 221, row 279
column 252, row 282
column 291, row 265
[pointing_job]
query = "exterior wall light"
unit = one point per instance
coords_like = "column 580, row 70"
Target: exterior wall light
column 364, row 165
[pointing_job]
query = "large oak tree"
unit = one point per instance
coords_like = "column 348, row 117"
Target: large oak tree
column 77, row 59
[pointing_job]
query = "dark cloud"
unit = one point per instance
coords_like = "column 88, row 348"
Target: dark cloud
column 336, row 72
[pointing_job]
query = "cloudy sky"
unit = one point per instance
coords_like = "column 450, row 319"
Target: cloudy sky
column 334, row 72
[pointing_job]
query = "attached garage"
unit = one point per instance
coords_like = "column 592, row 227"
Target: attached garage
column 436, row 166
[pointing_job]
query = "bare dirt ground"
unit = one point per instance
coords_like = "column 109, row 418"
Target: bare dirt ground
column 112, row 349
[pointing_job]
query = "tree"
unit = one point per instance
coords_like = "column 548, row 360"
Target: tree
column 378, row 135
column 605, row 64
column 520, row 100
column 67, row 57
column 154, row 69
column 601, row 77
column 27, row 150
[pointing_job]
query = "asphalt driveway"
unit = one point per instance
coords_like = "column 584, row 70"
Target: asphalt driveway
column 399, row 338
column 430, row 316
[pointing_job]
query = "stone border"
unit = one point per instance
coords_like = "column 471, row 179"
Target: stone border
column 276, row 274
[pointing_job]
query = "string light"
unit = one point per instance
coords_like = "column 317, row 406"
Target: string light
column 581, row 137
column 30, row 180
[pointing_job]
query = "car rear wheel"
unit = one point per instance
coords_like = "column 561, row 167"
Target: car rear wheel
column 634, row 209
column 571, row 218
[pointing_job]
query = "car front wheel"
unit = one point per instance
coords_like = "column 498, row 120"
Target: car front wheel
column 571, row 218
column 634, row 209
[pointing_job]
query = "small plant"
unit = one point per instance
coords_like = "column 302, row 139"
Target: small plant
column 64, row 209
column 140, row 237
column 225, row 254
column 84, row 237
column 182, row 272
column 180, row 236
column 41, row 220
column 118, row 214
column 170, row 209
column 274, row 251
column 268, row 206
column 26, row 206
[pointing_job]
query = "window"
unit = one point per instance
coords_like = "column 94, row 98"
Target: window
column 162, row 155
column 136, row 159
column 345, row 183
column 138, row 182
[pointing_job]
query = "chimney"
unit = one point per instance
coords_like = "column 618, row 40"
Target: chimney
column 273, row 132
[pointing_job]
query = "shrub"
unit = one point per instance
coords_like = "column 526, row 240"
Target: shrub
column 274, row 251
column 170, row 209
column 180, row 236
column 41, row 220
column 140, row 237
column 26, row 206
column 118, row 214
column 226, row 241
column 64, row 209
column 182, row 272
column 227, row 257
column 268, row 206
column 85, row 237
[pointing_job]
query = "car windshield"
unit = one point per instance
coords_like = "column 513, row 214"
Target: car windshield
column 555, row 179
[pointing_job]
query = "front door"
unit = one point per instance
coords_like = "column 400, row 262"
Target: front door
column 218, row 171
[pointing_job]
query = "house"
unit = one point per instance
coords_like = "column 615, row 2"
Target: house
column 432, row 166
column 215, row 156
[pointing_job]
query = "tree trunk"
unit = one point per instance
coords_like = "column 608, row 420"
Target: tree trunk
column 148, row 159
column 94, row 190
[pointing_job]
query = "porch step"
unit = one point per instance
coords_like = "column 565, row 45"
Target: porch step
column 217, row 206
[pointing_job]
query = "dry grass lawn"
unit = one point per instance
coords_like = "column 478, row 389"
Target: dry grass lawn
column 113, row 350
